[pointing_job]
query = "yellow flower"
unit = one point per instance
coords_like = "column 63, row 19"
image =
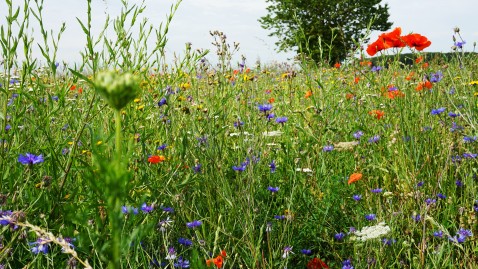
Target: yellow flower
column 137, row 100
column 185, row 86
column 140, row 107
column 99, row 142
column 474, row 82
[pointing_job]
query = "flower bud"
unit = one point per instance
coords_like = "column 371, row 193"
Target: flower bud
column 118, row 89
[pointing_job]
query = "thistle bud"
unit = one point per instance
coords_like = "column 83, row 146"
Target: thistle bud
column 118, row 89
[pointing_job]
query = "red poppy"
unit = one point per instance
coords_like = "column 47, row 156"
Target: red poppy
column 218, row 261
column 308, row 94
column 271, row 100
column 377, row 113
column 156, row 159
column 385, row 41
column 417, row 41
column 337, row 65
column 317, row 263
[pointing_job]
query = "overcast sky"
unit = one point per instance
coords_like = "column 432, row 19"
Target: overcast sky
column 238, row 19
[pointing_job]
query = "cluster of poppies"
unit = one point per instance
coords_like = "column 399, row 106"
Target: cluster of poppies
column 394, row 39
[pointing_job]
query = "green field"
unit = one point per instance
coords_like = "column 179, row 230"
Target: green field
column 125, row 161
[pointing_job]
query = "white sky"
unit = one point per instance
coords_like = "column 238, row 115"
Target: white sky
column 238, row 20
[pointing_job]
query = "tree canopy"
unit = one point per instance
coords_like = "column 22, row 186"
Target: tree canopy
column 323, row 29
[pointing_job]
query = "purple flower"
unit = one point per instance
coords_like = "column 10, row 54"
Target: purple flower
column 357, row 197
column 197, row 168
column 162, row 102
column 185, row 242
column 459, row 183
column 376, row 68
column 273, row 189
column 430, row 201
column 307, row 252
column 419, row 184
column 438, row 234
column 272, row 166
column 124, row 209
column 453, row 114
column 193, row 224
column 146, row 209
column 436, row 77
column 279, row 217
column 167, row 209
column 378, row 190
column 438, row 111
column 328, row 148
column 347, row 264
column 287, row 251
column 416, row 217
column 470, row 155
column 239, row 168
column 182, row 263
column 370, row 217
column 40, row 246
column 265, row 107
column 459, row 44
column 469, row 139
column 388, row 242
column 339, row 236
column 281, row 120
column 270, row 116
column 162, row 147
column 441, row 196
column 374, row 139
column 358, row 134
column 171, row 254
column 30, row 159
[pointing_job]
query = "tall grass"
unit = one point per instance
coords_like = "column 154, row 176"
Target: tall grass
column 232, row 166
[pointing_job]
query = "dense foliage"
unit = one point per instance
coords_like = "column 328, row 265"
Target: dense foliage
column 324, row 29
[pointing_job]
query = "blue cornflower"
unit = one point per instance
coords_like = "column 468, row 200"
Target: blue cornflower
column 475, row 206
column 182, row 263
column 171, row 253
column 370, row 217
column 378, row 190
column 470, row 155
column 162, row 102
column 279, row 217
column 8, row 127
column 270, row 116
column 30, row 159
column 6, row 217
column 307, row 252
column 239, row 168
column 135, row 210
column 358, row 134
column 441, row 196
column 167, row 209
column 273, row 189
column 416, row 217
column 265, row 107
column 193, row 224
column 438, row 111
column 419, row 184
column 388, row 242
column 197, row 168
column 453, row 114
column 459, row 44
column 162, row 147
column 339, row 236
column 438, row 234
column 146, row 209
column 287, row 252
column 347, row 264
column 455, row 127
column 357, row 197
column 451, row 91
column 238, row 123
column 459, row 183
column 281, row 120
column 185, row 242
column 430, row 201
column 328, row 148
column 374, row 139
column 40, row 246
column 272, row 166
column 124, row 209
column 465, row 232
column 436, row 77
column 469, row 139
column 376, row 68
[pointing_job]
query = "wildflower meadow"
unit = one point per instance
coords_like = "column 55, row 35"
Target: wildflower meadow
column 128, row 160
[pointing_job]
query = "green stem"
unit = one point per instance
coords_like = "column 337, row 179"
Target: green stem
column 118, row 134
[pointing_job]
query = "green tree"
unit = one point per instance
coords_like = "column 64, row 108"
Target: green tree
column 323, row 29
